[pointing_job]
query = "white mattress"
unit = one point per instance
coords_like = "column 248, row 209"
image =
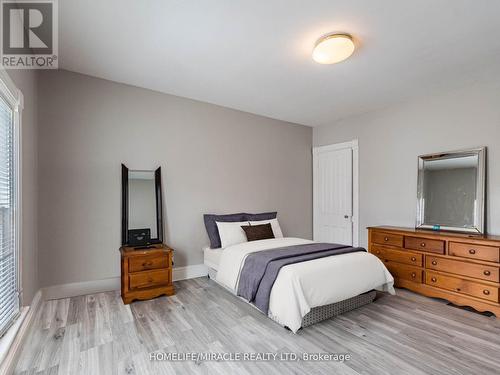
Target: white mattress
column 211, row 257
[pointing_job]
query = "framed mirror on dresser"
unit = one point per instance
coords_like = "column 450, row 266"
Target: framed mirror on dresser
column 451, row 191
column 448, row 255
column 146, row 261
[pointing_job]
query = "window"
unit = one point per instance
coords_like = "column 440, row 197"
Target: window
column 9, row 228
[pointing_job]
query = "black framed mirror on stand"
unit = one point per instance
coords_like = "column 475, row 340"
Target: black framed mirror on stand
column 142, row 217
column 146, row 262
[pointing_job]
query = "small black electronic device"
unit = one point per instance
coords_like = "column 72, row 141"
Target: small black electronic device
column 139, row 237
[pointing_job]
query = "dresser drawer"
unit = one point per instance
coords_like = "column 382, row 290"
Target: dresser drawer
column 399, row 256
column 148, row 279
column 404, row 272
column 472, row 251
column 387, row 239
column 424, row 244
column 470, row 288
column 143, row 263
column 458, row 267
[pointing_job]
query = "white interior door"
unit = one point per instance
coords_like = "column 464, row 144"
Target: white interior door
column 333, row 193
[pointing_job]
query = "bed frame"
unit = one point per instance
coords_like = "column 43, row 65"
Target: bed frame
column 320, row 313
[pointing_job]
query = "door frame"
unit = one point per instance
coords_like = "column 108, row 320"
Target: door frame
column 352, row 145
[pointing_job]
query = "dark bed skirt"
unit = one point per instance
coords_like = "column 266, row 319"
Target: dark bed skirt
column 320, row 313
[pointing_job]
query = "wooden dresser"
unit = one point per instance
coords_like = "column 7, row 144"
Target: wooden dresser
column 146, row 273
column 461, row 268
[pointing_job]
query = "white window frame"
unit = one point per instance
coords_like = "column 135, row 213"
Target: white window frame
column 14, row 97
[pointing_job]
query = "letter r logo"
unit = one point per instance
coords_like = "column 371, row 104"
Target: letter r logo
column 27, row 28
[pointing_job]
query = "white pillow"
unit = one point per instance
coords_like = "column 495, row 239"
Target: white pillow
column 230, row 233
column 275, row 225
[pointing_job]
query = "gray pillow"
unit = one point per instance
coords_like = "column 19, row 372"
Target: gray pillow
column 262, row 216
column 211, row 226
column 213, row 232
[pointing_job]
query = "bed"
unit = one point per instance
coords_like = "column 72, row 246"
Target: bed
column 305, row 292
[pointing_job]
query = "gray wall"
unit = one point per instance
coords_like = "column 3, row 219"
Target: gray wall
column 26, row 81
column 213, row 159
column 391, row 139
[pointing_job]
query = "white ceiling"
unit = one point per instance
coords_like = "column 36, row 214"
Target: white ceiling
column 255, row 55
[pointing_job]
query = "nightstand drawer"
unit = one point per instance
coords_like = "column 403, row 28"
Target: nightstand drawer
column 148, row 262
column 149, row 279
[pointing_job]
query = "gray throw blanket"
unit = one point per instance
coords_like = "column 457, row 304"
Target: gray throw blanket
column 261, row 268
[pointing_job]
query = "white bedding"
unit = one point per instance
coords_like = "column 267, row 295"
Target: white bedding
column 211, row 257
column 302, row 286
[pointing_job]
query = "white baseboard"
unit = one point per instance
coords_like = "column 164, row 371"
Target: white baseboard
column 24, row 323
column 81, row 288
column 113, row 283
column 189, row 272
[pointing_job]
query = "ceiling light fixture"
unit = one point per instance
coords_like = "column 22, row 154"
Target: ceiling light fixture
column 333, row 48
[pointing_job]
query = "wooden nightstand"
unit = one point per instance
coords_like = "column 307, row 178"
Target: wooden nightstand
column 146, row 273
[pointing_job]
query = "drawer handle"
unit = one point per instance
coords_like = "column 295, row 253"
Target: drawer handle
column 434, row 263
column 472, row 251
column 422, row 244
column 433, row 279
column 378, row 251
column 486, row 292
column 147, row 264
column 413, row 259
column 386, row 239
column 458, row 289
column 487, row 273
column 413, row 275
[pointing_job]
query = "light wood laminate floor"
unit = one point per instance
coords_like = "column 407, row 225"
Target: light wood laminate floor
column 403, row 334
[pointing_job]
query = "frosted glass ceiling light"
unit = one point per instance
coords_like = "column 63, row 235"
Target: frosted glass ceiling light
column 333, row 48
